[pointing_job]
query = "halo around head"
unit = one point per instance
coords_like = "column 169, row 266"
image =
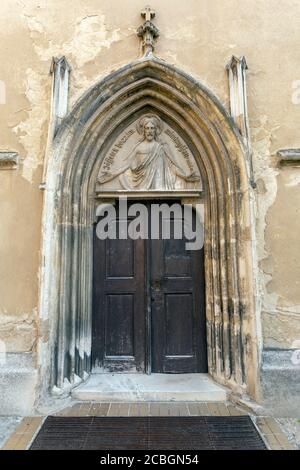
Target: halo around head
column 150, row 117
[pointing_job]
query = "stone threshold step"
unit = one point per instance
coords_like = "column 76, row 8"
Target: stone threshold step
column 154, row 387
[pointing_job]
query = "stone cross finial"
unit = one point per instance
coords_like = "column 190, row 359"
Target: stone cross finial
column 148, row 31
column 148, row 13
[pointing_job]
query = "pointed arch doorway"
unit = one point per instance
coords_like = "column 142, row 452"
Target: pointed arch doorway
column 149, row 300
column 69, row 216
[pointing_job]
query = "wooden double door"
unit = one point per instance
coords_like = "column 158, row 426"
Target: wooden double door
column 148, row 305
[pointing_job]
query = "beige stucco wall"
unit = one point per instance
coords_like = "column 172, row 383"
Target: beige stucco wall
column 199, row 36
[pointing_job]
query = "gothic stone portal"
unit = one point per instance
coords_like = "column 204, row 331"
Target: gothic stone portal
column 91, row 133
column 159, row 278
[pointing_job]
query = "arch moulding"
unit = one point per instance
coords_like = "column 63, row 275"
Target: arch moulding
column 148, row 85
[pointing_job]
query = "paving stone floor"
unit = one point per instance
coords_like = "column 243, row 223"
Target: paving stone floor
column 270, row 430
column 8, row 425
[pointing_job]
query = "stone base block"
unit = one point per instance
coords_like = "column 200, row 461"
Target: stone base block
column 280, row 376
column 18, row 381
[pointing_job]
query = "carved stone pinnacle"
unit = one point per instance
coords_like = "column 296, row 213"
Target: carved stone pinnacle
column 148, row 31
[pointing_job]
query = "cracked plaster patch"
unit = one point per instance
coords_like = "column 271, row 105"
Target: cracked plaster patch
column 90, row 36
column 187, row 31
column 18, row 333
column 280, row 330
column 294, row 180
column 29, row 131
column 261, row 142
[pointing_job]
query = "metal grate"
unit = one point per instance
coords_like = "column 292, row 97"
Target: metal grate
column 148, row 433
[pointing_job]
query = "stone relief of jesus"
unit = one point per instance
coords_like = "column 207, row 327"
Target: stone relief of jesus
column 150, row 165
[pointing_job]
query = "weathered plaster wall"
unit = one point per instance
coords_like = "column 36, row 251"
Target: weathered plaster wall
column 197, row 35
column 281, row 307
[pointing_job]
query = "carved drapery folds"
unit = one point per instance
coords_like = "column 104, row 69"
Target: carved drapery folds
column 87, row 135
